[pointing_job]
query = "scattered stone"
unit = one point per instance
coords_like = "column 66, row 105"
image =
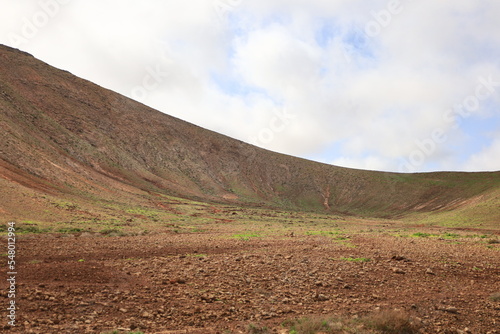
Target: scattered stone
column 430, row 272
column 146, row 314
column 398, row 270
column 451, row 309
column 320, row 297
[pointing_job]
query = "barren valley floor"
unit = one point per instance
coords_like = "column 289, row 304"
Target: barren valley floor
column 258, row 271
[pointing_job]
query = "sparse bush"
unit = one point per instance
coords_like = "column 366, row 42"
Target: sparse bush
column 66, row 206
column 246, row 236
column 449, row 235
column 70, row 230
column 421, row 235
column 256, row 329
column 30, row 229
column 113, row 232
column 391, row 322
column 495, row 297
column 315, row 325
column 385, row 322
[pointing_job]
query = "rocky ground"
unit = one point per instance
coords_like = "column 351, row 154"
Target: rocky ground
column 217, row 281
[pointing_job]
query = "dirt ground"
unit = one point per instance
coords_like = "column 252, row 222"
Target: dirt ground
column 218, row 281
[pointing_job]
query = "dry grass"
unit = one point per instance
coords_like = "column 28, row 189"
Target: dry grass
column 256, row 329
column 392, row 322
column 495, row 297
column 314, row 325
column 384, row 322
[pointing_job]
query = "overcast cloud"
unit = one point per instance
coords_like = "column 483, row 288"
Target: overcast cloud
column 387, row 85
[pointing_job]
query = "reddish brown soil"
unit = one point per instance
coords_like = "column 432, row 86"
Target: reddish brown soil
column 210, row 283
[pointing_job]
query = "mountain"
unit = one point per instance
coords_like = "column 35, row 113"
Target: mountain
column 64, row 137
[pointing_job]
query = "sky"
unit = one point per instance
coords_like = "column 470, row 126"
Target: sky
column 390, row 85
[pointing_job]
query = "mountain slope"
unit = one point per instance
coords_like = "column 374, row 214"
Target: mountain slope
column 64, row 135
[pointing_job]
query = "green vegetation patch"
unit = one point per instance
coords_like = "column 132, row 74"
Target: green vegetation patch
column 30, row 227
column 246, row 236
column 197, row 255
column 113, row 232
column 70, row 230
column 422, row 235
column 449, row 235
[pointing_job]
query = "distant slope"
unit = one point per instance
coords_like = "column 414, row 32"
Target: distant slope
column 60, row 134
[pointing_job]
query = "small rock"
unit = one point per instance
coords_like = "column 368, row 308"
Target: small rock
column 320, row 297
column 451, row 309
column 398, row 270
column 146, row 314
column 429, row 271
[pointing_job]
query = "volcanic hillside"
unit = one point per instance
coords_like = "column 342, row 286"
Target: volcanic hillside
column 64, row 137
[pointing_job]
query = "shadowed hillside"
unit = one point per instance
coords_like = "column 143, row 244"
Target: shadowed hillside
column 63, row 136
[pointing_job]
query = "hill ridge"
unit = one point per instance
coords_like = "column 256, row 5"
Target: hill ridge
column 65, row 135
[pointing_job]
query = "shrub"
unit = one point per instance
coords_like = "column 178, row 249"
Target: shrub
column 29, row 229
column 70, row 230
column 256, row 329
column 315, row 325
column 384, row 322
column 421, row 235
column 113, row 232
column 495, row 297
column 391, row 322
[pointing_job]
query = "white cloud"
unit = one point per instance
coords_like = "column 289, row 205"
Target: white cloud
column 370, row 163
column 486, row 160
